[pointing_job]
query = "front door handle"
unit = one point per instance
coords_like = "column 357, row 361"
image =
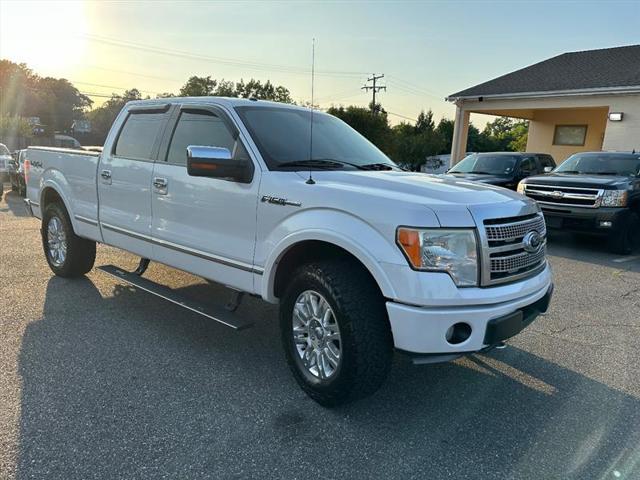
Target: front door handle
column 160, row 185
column 106, row 176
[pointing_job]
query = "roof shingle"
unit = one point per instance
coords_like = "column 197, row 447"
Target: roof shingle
column 605, row 68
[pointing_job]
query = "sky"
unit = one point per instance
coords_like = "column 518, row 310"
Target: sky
column 426, row 49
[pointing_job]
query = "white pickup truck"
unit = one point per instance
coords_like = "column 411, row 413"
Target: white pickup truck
column 300, row 210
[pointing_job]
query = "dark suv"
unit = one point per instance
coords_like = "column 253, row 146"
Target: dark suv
column 504, row 169
column 595, row 193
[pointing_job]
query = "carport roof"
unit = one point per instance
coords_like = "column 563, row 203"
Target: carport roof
column 607, row 69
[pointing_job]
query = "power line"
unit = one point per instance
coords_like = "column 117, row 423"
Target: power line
column 401, row 116
column 374, row 88
column 111, row 86
column 221, row 60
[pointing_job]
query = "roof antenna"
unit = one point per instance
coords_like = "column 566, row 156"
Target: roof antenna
column 310, row 180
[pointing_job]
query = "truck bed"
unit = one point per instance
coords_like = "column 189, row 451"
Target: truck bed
column 72, row 172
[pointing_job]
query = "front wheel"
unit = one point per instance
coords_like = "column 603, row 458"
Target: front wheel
column 67, row 254
column 627, row 236
column 335, row 332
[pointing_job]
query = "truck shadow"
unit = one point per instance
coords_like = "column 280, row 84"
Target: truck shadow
column 15, row 204
column 589, row 249
column 127, row 386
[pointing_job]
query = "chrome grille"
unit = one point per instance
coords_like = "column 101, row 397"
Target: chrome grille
column 567, row 196
column 515, row 230
column 516, row 262
column 507, row 257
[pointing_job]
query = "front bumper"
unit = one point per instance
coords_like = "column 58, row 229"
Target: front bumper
column 601, row 220
column 423, row 330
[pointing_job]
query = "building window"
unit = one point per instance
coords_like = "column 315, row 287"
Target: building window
column 574, row 135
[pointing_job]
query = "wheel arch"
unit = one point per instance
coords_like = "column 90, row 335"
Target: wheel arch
column 297, row 251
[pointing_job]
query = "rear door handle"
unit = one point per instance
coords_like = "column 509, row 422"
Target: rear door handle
column 160, row 185
column 106, row 176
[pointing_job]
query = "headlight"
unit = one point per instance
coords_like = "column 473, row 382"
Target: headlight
column 614, row 198
column 442, row 250
column 521, row 188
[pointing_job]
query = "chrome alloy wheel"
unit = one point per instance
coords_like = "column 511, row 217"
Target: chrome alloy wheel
column 316, row 335
column 56, row 241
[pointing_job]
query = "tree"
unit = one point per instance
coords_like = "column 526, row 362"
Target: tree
column 56, row 101
column 198, row 87
column 425, row 122
column 103, row 117
column 375, row 127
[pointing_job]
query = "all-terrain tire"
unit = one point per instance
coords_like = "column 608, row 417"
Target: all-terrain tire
column 80, row 253
column 366, row 341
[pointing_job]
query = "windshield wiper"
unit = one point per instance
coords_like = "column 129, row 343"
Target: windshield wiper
column 573, row 172
column 377, row 166
column 602, row 173
column 316, row 163
column 481, row 172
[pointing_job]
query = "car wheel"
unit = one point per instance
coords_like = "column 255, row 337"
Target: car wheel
column 67, row 254
column 335, row 332
column 627, row 236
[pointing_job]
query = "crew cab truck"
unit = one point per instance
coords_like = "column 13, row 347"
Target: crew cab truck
column 297, row 208
column 595, row 193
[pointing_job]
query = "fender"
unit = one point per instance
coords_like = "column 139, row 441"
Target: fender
column 348, row 232
column 55, row 180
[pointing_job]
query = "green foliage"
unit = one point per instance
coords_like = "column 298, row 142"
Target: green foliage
column 198, row 87
column 375, row 127
column 414, row 143
column 55, row 100
column 14, row 127
column 206, row 86
column 102, row 117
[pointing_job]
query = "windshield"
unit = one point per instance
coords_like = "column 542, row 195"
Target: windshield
column 486, row 164
column 4, row 150
column 283, row 136
column 602, row 163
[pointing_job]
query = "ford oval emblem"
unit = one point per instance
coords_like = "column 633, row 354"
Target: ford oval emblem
column 532, row 241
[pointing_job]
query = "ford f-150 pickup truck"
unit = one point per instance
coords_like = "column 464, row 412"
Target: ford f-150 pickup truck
column 299, row 209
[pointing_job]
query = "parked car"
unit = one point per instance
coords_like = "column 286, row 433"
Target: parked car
column 361, row 256
column 5, row 158
column 438, row 164
column 504, row 169
column 595, row 193
column 16, row 173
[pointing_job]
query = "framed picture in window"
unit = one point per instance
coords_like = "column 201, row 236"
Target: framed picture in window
column 574, row 135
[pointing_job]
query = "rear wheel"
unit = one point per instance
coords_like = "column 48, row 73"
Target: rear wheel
column 335, row 332
column 67, row 254
column 627, row 235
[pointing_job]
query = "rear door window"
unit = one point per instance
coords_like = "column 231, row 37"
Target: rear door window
column 139, row 134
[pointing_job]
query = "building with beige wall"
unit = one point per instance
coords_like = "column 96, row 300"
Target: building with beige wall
column 578, row 101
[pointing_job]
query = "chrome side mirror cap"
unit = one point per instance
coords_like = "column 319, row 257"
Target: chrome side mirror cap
column 548, row 169
column 217, row 162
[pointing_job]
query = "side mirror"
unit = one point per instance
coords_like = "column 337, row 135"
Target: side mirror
column 548, row 169
column 217, row 162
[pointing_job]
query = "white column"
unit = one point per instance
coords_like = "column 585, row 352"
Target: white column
column 460, row 133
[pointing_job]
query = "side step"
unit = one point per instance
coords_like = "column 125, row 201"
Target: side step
column 219, row 314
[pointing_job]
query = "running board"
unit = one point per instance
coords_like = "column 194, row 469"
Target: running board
column 219, row 314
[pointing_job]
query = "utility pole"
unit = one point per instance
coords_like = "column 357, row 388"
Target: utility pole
column 374, row 88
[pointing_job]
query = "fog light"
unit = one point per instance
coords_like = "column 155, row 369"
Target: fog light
column 458, row 333
column 606, row 224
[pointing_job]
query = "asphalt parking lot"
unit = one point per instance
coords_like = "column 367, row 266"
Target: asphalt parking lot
column 98, row 380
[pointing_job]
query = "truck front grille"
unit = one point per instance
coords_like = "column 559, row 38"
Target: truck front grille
column 564, row 196
column 511, row 254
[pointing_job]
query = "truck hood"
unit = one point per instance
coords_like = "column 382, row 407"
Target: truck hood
column 475, row 177
column 611, row 182
column 416, row 187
